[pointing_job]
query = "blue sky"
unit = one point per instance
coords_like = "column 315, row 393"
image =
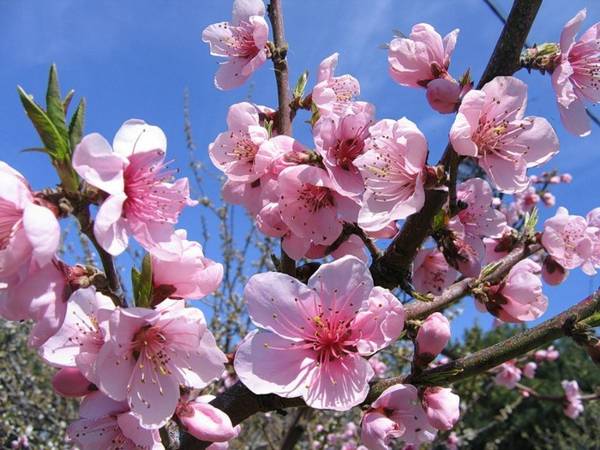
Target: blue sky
column 135, row 58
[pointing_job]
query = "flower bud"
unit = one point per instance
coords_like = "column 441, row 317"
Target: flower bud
column 432, row 337
column 204, row 421
column 529, row 370
column 548, row 199
column 443, row 95
column 442, row 407
column 70, row 382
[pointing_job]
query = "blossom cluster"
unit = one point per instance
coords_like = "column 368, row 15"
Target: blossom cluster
column 137, row 364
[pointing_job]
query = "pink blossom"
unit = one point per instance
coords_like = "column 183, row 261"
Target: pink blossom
column 519, row 298
column 527, row 200
column 28, row 230
column 552, row 354
column 393, row 170
column 490, row 126
column 494, row 250
column 353, row 245
column 569, row 240
column 310, row 205
column 529, row 369
column 203, row 421
column 591, row 264
column 340, row 140
column 379, row 367
column 151, row 352
column 189, row 272
column 431, row 273
column 443, row 95
column 575, row 78
column 552, row 272
column 243, row 42
column 78, row 341
column 508, row 375
column 140, row 200
column 433, row 335
column 549, row 199
column 22, row 442
column 469, row 250
column 479, row 218
column 41, row 296
column 396, row 414
column 572, row 405
column 70, row 382
column 249, row 195
column 314, row 337
column 105, row 423
column 442, row 407
column 566, row 178
column 422, row 57
column 452, row 441
column 335, row 95
column 236, row 151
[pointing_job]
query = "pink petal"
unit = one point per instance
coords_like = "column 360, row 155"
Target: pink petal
column 43, row 232
column 267, row 363
column 230, row 74
column 136, row 136
column 97, row 164
column 109, row 225
column 280, row 303
column 342, row 285
column 340, row 384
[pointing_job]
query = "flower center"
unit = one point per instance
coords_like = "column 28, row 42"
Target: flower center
column 316, row 197
column 331, row 338
column 150, row 342
column 346, row 151
column 149, row 196
column 241, row 43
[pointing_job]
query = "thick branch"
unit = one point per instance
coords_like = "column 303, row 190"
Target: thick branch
column 420, row 310
column 390, row 270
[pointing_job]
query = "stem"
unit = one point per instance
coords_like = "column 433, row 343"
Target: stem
column 296, row 430
column 420, row 310
column 108, row 264
column 283, row 116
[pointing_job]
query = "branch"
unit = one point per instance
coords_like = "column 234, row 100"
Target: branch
column 514, row 346
column 390, row 270
column 283, row 116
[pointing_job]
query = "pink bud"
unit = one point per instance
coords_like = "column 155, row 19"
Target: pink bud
column 566, row 178
column 540, row 355
column 555, row 179
column 552, row 354
column 443, row 95
column 378, row 430
column 70, row 382
column 552, row 272
column 204, row 421
column 549, row 199
column 432, row 337
column 529, row 369
column 442, row 407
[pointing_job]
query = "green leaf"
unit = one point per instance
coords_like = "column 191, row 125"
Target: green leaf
column 76, row 125
column 46, row 129
column 142, row 283
column 54, row 104
column 301, row 85
column 35, row 150
column 67, row 101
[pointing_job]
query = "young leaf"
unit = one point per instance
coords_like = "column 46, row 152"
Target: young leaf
column 54, row 104
column 142, row 283
column 67, row 101
column 46, row 129
column 76, row 125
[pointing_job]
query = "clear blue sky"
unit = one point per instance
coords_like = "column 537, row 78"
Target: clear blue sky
column 134, row 59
